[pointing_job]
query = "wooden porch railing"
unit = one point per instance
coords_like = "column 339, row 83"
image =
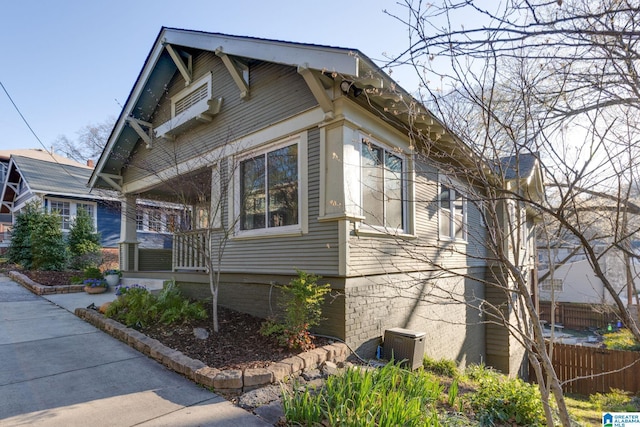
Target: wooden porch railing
column 189, row 250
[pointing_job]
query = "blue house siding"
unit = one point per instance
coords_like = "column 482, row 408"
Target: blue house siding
column 109, row 223
column 149, row 240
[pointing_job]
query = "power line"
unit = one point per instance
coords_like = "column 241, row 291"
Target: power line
column 34, row 133
column 23, row 118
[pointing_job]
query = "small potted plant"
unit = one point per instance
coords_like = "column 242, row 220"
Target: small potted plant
column 95, row 286
column 112, row 277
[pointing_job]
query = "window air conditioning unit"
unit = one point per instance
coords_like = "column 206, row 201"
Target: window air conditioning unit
column 404, row 345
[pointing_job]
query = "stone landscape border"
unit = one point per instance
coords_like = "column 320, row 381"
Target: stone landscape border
column 231, row 381
column 39, row 289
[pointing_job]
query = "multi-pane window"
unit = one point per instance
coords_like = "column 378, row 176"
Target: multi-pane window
column 68, row 210
column 87, row 207
column 453, row 215
column 140, row 221
column 552, row 285
column 269, row 189
column 64, row 210
column 383, row 200
column 155, row 221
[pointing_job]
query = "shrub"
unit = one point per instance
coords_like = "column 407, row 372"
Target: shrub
column 92, row 273
column 84, row 242
column 137, row 307
column 444, row 367
column 20, row 249
column 499, row 399
column 614, row 401
column 47, row 244
column 301, row 303
column 621, row 340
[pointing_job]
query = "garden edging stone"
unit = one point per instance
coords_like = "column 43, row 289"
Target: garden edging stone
column 39, row 289
column 231, row 381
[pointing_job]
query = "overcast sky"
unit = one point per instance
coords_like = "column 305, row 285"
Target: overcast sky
column 70, row 63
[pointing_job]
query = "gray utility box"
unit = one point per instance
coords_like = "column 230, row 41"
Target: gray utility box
column 404, row 345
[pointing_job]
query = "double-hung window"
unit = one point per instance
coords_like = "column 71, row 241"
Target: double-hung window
column 453, row 213
column 269, row 184
column 383, row 189
column 68, row 211
column 64, row 210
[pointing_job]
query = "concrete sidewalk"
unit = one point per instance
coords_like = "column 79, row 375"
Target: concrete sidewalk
column 58, row 370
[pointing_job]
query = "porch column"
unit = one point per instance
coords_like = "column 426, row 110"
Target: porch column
column 128, row 234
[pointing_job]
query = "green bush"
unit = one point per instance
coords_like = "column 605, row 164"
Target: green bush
column 84, row 242
column 621, row 340
column 47, row 244
column 444, row 367
column 20, row 248
column 614, row 401
column 301, row 304
column 499, row 399
column 137, row 307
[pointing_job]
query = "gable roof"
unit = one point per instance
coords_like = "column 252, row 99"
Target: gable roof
column 47, row 177
column 160, row 66
column 525, row 168
column 40, row 154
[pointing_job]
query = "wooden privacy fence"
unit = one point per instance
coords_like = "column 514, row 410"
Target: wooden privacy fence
column 599, row 370
column 579, row 316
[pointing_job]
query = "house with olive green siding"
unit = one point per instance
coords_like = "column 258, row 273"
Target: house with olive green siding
column 304, row 157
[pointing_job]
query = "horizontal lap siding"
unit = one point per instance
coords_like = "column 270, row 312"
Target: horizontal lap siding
column 388, row 254
column 315, row 252
column 276, row 92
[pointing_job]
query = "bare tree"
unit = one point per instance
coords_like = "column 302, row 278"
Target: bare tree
column 88, row 145
column 552, row 79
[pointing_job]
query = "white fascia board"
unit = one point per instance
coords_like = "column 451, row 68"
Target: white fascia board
column 78, row 196
column 316, row 57
column 310, row 56
column 141, row 83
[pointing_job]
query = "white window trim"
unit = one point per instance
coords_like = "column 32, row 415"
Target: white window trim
column 453, row 186
column 406, row 229
column 73, row 210
column 287, row 230
column 144, row 211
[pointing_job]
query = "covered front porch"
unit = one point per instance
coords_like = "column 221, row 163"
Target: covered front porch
column 180, row 218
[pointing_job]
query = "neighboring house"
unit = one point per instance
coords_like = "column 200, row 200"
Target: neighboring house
column 60, row 184
column 574, row 281
column 303, row 155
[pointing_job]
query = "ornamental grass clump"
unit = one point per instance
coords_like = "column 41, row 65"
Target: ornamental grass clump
column 389, row 396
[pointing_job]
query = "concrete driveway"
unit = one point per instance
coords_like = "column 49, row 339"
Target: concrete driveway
column 57, row 370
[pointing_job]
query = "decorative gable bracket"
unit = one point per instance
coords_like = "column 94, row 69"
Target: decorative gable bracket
column 318, row 91
column 146, row 135
column 239, row 72
column 115, row 181
column 185, row 69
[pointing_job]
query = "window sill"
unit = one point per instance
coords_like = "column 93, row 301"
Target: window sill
column 453, row 241
column 267, row 233
column 373, row 232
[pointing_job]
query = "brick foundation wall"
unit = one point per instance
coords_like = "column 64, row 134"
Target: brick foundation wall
column 454, row 330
